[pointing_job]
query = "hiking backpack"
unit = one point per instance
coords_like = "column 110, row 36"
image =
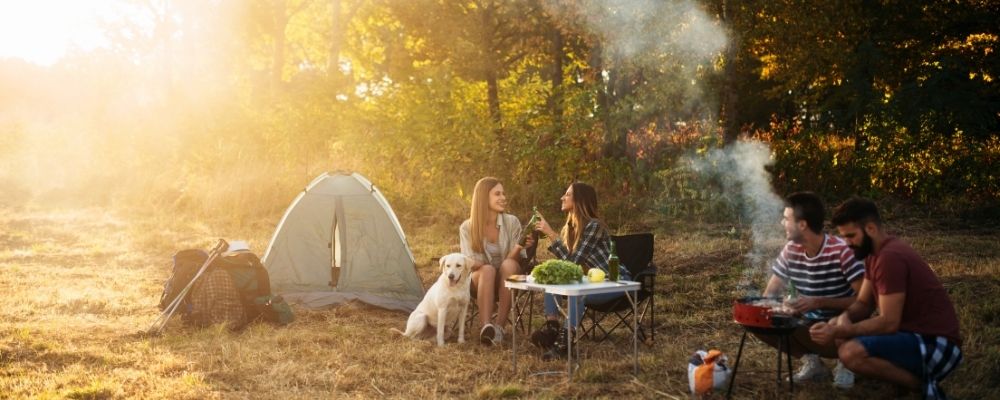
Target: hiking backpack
column 186, row 266
column 254, row 285
column 248, row 275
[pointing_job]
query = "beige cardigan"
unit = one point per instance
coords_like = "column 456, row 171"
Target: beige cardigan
column 510, row 234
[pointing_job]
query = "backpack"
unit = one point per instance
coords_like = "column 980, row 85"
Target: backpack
column 186, row 265
column 254, row 285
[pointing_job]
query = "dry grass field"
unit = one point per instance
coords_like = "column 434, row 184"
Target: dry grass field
column 79, row 284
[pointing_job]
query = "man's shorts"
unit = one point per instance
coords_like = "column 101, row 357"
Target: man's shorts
column 902, row 349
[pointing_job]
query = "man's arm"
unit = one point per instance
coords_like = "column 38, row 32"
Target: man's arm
column 774, row 286
column 890, row 314
column 837, row 303
column 864, row 304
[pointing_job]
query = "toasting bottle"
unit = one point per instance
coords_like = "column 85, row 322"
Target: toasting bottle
column 529, row 228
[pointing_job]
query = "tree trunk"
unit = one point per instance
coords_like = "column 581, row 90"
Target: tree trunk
column 556, row 98
column 729, row 113
column 278, row 50
column 596, row 63
column 336, row 37
column 493, row 100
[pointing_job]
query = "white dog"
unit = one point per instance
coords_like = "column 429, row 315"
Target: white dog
column 447, row 298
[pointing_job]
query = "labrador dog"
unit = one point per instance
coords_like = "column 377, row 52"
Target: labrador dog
column 447, row 299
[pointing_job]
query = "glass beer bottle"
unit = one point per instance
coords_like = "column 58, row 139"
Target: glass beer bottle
column 529, row 228
column 613, row 264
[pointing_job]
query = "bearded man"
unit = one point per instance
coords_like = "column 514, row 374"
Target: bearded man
column 914, row 339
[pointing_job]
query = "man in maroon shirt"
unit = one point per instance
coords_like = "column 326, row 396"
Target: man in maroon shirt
column 914, row 340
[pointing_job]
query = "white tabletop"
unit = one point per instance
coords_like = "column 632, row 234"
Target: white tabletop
column 576, row 289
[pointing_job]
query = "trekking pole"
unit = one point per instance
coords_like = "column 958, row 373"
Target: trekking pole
column 168, row 312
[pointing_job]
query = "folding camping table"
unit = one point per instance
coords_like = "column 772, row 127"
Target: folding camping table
column 571, row 292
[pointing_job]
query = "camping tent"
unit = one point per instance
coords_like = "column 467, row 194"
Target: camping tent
column 339, row 241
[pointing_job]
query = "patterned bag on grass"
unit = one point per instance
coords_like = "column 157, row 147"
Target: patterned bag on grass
column 707, row 371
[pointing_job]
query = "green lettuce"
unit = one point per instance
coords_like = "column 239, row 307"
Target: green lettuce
column 557, row 272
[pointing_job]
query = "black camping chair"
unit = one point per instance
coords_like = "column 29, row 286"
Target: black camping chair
column 600, row 320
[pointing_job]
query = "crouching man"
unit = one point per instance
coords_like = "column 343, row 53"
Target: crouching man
column 914, row 340
column 826, row 276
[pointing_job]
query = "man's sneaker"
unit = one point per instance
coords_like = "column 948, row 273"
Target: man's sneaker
column 812, row 369
column 498, row 336
column 487, row 334
column 843, row 378
column 545, row 336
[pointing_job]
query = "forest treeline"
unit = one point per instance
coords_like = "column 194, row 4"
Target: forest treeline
column 234, row 106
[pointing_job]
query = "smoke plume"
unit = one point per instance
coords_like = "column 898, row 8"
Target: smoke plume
column 746, row 185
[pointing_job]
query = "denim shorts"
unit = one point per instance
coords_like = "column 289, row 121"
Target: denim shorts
column 902, row 349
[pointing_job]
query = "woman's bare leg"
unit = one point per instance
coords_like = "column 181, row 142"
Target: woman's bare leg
column 508, row 268
column 483, row 282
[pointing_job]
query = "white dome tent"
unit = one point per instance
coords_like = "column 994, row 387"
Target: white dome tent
column 339, row 241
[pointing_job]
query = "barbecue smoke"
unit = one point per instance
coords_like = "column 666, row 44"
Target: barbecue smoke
column 746, row 185
column 631, row 28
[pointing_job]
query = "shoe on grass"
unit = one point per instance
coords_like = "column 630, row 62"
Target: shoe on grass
column 487, row 334
column 812, row 369
column 561, row 347
column 843, row 378
column 544, row 337
column 498, row 336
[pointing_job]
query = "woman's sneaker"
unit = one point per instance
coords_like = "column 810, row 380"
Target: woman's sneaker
column 545, row 336
column 843, row 378
column 812, row 369
column 560, row 347
column 498, row 336
column 487, row 334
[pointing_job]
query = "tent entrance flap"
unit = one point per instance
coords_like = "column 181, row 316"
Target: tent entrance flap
column 336, row 243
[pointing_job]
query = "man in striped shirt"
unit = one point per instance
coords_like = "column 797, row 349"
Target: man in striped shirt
column 826, row 276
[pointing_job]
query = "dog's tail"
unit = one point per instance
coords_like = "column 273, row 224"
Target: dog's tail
column 397, row 331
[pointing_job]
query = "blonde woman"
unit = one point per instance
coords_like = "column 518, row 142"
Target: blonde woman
column 490, row 238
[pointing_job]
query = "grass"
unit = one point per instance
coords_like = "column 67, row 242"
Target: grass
column 79, row 284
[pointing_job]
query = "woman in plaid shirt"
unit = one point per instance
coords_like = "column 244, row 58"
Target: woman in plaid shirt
column 584, row 240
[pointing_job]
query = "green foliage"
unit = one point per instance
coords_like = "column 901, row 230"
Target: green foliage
column 557, row 272
column 425, row 97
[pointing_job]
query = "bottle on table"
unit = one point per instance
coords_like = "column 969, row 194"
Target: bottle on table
column 614, row 264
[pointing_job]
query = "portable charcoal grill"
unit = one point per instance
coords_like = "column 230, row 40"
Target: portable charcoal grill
column 749, row 315
column 763, row 320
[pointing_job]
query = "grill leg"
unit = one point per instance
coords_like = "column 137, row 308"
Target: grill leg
column 781, row 346
column 736, row 367
column 788, row 356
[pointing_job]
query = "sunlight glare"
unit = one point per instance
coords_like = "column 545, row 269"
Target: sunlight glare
column 43, row 31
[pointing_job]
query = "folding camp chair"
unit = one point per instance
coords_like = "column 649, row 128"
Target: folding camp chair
column 600, row 320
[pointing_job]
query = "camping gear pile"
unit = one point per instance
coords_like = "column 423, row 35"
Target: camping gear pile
column 225, row 285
